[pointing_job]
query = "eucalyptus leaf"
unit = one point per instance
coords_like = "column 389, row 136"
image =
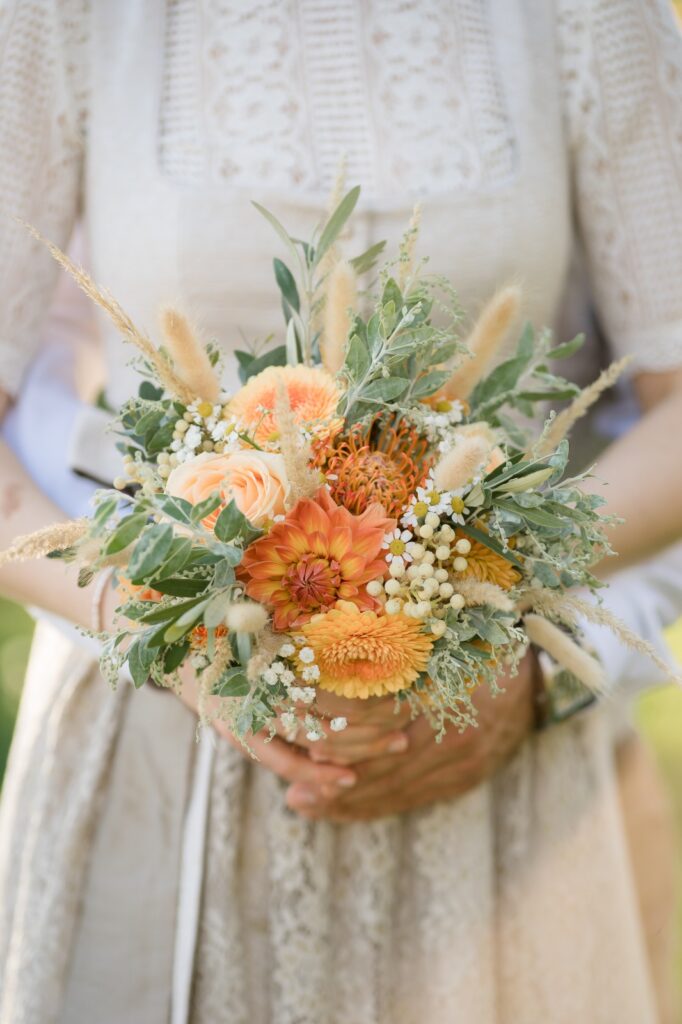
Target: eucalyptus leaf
column 206, row 507
column 361, row 264
column 357, row 358
column 386, row 389
column 567, row 349
column 232, row 683
column 125, row 533
column 334, row 225
column 287, row 284
column 230, row 523
column 150, row 551
column 140, row 659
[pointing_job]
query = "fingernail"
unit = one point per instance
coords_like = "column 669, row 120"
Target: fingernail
column 397, row 745
column 346, row 781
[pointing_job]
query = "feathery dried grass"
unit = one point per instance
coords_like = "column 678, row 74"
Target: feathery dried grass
column 56, row 537
column 119, row 318
column 189, row 356
column 340, row 303
column 560, row 426
column 565, row 651
column 475, row 593
column 569, row 609
column 265, row 648
column 407, row 248
column 304, row 482
column 485, row 340
column 461, row 463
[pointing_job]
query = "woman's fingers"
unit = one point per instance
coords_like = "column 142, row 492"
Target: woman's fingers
column 295, row 766
column 353, row 744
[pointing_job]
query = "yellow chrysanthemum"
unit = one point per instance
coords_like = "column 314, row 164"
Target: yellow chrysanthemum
column 366, row 654
column 313, row 397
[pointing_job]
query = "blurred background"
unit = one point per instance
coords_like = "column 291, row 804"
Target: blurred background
column 659, row 711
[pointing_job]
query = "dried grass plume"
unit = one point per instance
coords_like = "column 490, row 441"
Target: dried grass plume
column 303, row 480
column 119, row 318
column 189, row 356
column 475, row 593
column 485, row 341
column 57, row 537
column 566, row 652
column 339, row 306
column 461, row 463
column 559, row 427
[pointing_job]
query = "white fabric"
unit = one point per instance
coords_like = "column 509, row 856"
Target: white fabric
column 496, row 114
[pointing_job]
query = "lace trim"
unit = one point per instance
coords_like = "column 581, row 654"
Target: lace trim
column 43, row 116
column 628, row 166
column 409, row 92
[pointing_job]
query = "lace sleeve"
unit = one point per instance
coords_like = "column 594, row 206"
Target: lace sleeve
column 621, row 69
column 42, row 119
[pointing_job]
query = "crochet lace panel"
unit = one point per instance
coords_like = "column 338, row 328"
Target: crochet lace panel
column 407, row 92
column 623, row 102
column 43, row 103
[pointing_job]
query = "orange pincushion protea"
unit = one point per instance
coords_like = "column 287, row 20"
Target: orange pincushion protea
column 376, row 463
column 198, row 638
column 487, row 566
column 365, row 654
column 313, row 397
column 318, row 554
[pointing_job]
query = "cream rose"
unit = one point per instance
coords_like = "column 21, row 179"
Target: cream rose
column 257, row 481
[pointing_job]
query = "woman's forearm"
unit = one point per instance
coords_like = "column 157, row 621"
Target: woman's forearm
column 640, row 474
column 47, row 583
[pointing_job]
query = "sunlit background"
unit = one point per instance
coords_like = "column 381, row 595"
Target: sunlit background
column 659, row 711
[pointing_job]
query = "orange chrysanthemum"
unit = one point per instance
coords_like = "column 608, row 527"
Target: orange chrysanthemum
column 318, row 554
column 487, row 566
column 365, row 654
column 313, row 397
column 376, row 463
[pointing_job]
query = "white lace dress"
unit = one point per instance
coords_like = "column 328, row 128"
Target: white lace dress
column 157, row 122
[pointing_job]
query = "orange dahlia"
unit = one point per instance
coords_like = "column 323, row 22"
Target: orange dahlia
column 319, row 553
column 365, row 654
column 313, row 397
column 487, row 566
column 375, row 463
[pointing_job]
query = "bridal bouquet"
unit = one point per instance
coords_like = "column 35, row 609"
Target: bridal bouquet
column 365, row 515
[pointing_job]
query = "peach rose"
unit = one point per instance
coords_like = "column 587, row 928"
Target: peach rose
column 257, row 481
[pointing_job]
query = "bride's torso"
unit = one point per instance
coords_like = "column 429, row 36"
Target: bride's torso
column 196, row 108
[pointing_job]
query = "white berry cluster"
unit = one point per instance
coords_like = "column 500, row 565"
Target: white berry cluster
column 423, row 567
column 205, row 427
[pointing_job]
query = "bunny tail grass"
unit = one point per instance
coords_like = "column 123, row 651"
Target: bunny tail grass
column 303, row 481
column 57, row 537
column 460, row 464
column 484, row 342
column 475, row 593
column 119, row 318
column 565, row 651
column 559, row 427
column 189, row 356
column 340, row 303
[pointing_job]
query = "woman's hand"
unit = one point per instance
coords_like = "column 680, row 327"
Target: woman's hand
column 374, row 728
column 289, row 762
column 430, row 771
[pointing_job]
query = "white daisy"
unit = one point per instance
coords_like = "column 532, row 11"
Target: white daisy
column 395, row 543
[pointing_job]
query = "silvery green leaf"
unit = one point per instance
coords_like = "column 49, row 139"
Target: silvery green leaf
column 214, row 613
column 292, row 343
column 334, row 225
column 527, row 482
column 567, row 349
column 232, row 683
column 125, row 533
column 150, row 551
column 384, row 390
column 357, row 358
column 361, row 264
column 429, row 383
column 287, row 284
column 272, row 220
